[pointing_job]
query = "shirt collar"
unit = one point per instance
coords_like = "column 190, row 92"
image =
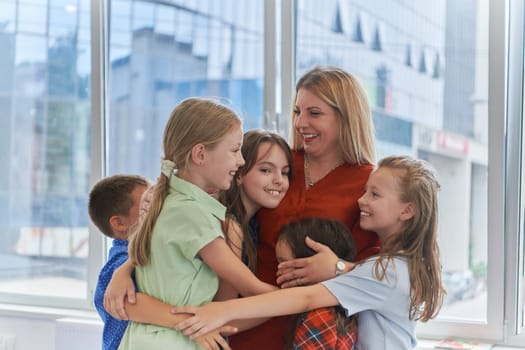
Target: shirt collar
column 195, row 192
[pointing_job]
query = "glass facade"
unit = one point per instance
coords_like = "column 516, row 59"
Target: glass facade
column 45, row 128
column 424, row 65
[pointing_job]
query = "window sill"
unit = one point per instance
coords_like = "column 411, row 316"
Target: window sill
column 424, row 344
column 13, row 310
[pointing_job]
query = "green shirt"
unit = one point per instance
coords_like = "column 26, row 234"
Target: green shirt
column 189, row 220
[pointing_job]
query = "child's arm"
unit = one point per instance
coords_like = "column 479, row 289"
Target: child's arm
column 150, row 310
column 220, row 258
column 235, row 240
column 119, row 289
column 277, row 303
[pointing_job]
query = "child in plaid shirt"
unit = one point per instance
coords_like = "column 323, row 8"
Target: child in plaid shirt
column 326, row 328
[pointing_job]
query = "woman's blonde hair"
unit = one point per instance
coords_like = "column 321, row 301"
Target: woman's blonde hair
column 231, row 198
column 417, row 242
column 194, row 121
column 346, row 96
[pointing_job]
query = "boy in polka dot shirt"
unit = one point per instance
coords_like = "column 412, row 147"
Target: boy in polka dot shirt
column 114, row 208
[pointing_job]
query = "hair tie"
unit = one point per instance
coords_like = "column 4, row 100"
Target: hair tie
column 167, row 167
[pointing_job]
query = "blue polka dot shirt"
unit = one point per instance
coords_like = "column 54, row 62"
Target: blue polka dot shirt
column 113, row 329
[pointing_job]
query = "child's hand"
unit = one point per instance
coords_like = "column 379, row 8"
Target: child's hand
column 214, row 339
column 205, row 318
column 300, row 272
column 120, row 287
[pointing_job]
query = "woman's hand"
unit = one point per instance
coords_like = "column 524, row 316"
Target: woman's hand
column 120, row 287
column 314, row 269
column 214, row 339
column 205, row 319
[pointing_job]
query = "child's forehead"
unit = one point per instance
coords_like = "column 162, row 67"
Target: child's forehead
column 385, row 176
column 380, row 172
column 266, row 149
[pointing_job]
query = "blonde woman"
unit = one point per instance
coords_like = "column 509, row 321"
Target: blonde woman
column 333, row 154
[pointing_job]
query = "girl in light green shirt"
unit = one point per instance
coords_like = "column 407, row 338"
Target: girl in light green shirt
column 179, row 249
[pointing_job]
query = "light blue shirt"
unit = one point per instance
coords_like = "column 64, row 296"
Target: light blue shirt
column 382, row 306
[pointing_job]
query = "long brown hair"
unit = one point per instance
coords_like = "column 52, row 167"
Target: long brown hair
column 346, row 96
column 417, row 242
column 194, row 121
column 231, row 198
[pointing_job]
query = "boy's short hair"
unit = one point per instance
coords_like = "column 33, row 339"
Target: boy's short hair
column 112, row 196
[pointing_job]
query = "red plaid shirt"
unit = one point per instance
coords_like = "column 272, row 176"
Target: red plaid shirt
column 317, row 330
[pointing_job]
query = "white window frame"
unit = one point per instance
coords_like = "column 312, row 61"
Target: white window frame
column 515, row 202
column 99, row 107
column 492, row 330
column 505, row 201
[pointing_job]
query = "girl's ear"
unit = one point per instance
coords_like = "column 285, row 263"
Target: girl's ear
column 198, row 153
column 408, row 212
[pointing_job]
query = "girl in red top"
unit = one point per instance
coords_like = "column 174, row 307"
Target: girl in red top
column 333, row 154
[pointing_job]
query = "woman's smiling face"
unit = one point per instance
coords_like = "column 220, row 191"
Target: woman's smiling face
column 317, row 123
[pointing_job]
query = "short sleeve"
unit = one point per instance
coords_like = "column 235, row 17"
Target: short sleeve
column 359, row 290
column 189, row 228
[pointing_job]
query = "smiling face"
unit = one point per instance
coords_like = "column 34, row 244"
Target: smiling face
column 317, row 123
column 220, row 163
column 266, row 183
column 382, row 210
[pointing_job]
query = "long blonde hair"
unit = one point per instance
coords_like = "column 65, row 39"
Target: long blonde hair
column 346, row 96
column 194, row 121
column 418, row 240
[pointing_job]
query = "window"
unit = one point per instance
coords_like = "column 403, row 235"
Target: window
column 437, row 111
column 45, row 148
column 53, row 98
column 514, row 201
column 161, row 53
column 377, row 40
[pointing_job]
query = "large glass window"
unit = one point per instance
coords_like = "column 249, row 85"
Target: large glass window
column 424, row 66
column 44, row 147
column 161, row 53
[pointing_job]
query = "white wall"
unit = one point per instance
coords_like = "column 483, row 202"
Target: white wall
column 45, row 332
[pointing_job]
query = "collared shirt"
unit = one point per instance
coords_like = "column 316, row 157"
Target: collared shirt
column 113, row 329
column 189, row 220
column 317, row 330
